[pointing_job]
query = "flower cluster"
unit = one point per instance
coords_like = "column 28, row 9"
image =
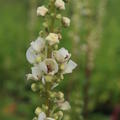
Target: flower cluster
column 49, row 64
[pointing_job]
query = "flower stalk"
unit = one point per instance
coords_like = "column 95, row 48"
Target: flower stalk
column 49, row 63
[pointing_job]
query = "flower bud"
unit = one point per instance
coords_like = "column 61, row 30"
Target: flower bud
column 60, row 114
column 58, row 16
column 62, row 66
column 66, row 21
column 35, row 118
column 38, row 59
column 45, row 24
column 38, row 111
column 44, row 107
column 56, row 47
column 60, row 95
column 62, row 77
column 34, row 87
column 48, row 78
column 56, row 116
column 42, row 11
column 60, row 4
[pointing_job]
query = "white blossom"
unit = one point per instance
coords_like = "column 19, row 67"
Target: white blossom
column 60, row 4
column 42, row 11
column 62, row 55
column 68, row 68
column 42, row 116
column 38, row 45
column 64, row 105
column 34, row 51
column 66, row 21
column 36, row 72
column 52, row 38
column 52, row 66
column 31, row 55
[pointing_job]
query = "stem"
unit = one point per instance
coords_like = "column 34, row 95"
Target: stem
column 49, row 51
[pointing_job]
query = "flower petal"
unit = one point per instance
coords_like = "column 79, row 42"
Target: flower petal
column 62, row 55
column 42, row 116
column 38, row 44
column 36, row 72
column 30, row 55
column 43, row 67
column 52, row 66
column 69, row 67
column 64, row 106
column 49, row 118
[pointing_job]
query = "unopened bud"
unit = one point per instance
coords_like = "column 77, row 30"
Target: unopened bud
column 60, row 95
column 34, row 87
column 48, row 78
column 38, row 60
column 38, row 111
column 35, row 118
column 62, row 66
column 58, row 16
column 45, row 24
column 60, row 114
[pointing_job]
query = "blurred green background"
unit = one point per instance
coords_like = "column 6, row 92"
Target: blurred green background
column 17, row 102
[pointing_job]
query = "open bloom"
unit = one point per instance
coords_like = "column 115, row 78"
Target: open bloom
column 38, row 45
column 69, row 66
column 62, row 55
column 42, row 116
column 52, row 38
column 64, row 105
column 60, row 4
column 66, row 21
column 36, row 73
column 51, row 66
column 34, row 51
column 42, row 11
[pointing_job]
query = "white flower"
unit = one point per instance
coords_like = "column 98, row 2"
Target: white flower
column 62, row 55
column 42, row 11
column 64, row 105
column 51, row 65
column 38, row 45
column 42, row 116
column 36, row 72
column 60, row 4
column 68, row 68
column 66, row 21
column 31, row 55
column 52, row 38
column 34, row 51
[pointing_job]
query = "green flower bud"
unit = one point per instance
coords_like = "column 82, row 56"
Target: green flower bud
column 56, row 47
column 60, row 95
column 38, row 60
column 48, row 78
column 52, row 94
column 62, row 77
column 44, row 107
column 58, row 16
column 60, row 114
column 56, row 116
column 34, row 87
column 52, row 14
column 62, row 66
column 35, row 118
column 45, row 24
column 41, row 33
column 38, row 111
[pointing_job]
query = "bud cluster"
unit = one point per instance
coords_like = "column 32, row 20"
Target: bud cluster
column 49, row 63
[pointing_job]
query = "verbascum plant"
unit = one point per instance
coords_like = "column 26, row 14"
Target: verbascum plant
column 49, row 63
